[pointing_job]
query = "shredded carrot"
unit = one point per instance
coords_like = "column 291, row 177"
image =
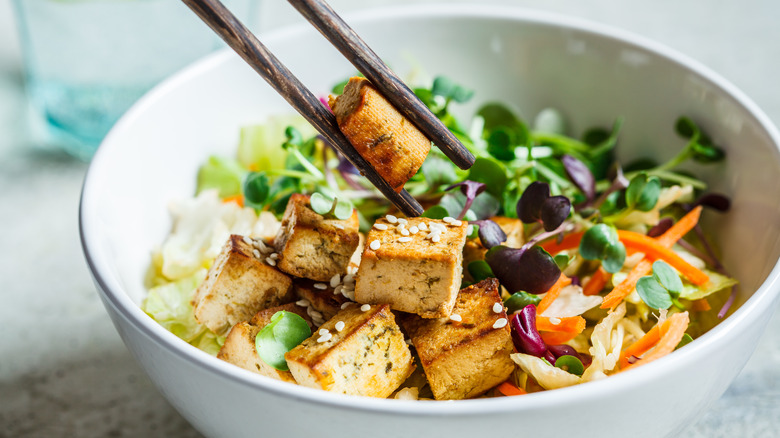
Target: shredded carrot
column 568, row 324
column 662, row 340
column 701, row 305
column 238, row 199
column 557, row 338
column 654, row 250
column 669, row 238
column 553, row 293
column 597, row 282
column 570, row 241
column 509, row 389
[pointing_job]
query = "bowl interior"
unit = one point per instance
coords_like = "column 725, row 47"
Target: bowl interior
column 527, row 60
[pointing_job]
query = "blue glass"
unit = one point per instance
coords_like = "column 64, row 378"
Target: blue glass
column 87, row 61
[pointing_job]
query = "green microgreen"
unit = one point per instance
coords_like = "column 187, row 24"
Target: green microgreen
column 570, row 364
column 479, row 270
column 643, row 192
column 256, row 190
column 600, row 242
column 686, row 339
column 519, row 300
column 660, row 290
column 331, row 206
column 285, row 331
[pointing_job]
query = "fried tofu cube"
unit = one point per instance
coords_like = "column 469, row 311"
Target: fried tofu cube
column 239, row 347
column 416, row 272
column 238, row 285
column 464, row 358
column 322, row 297
column 380, row 134
column 313, row 246
column 363, row 353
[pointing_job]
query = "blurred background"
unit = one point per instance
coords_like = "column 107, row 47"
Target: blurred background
column 64, row 370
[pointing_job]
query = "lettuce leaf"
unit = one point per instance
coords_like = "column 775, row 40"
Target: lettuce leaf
column 169, row 305
column 260, row 146
column 223, row 174
column 717, row 283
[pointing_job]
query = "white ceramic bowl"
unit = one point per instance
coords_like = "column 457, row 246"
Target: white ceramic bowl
column 528, row 59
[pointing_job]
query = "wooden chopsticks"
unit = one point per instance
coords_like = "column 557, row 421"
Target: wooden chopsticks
column 243, row 42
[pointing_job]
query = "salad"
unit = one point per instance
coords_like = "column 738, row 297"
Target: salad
column 546, row 264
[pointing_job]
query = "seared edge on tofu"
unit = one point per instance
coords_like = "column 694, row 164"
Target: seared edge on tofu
column 313, row 246
column 367, row 356
column 239, row 348
column 380, row 134
column 463, row 359
column 238, row 285
column 415, row 272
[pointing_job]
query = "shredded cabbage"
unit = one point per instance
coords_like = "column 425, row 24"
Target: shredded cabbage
column 572, row 302
column 169, row 305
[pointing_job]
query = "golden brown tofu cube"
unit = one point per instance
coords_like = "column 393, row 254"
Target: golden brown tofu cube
column 312, row 246
column 418, row 270
column 465, row 358
column 362, row 353
column 380, row 134
column 238, row 285
column 239, row 348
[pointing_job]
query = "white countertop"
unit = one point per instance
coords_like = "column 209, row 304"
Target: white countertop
column 64, row 371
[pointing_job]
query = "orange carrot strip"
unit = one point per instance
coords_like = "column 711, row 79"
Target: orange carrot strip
column 509, row 389
column 568, row 324
column 597, row 282
column 701, row 305
column 238, row 199
column 642, row 344
column 553, row 293
column 669, row 238
column 671, row 333
column 557, row 338
column 654, row 250
column 570, row 241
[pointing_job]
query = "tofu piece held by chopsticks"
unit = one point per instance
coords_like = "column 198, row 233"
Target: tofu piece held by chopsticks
column 386, row 139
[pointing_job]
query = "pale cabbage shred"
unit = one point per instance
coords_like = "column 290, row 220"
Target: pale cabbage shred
column 201, row 226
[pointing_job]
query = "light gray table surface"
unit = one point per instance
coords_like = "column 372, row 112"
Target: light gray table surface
column 64, row 371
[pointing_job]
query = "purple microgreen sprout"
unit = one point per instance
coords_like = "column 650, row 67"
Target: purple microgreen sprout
column 470, row 189
column 490, row 233
column 620, row 182
column 532, row 270
column 524, row 334
column 580, row 175
column 661, row 227
column 536, row 205
column 715, row 201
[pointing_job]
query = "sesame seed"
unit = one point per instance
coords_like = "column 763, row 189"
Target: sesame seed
column 423, row 226
column 456, row 223
column 303, row 303
column 400, row 228
column 392, row 219
column 337, row 289
column 448, row 219
column 323, row 331
column 374, row 245
column 455, row 317
column 320, row 286
column 340, row 326
column 498, row 308
column 349, row 278
column 365, row 307
column 470, row 230
column 404, row 239
column 345, row 305
column 335, row 280
column 351, row 269
column 274, row 255
column 414, row 230
column 325, row 338
column 338, row 226
column 436, row 238
column 402, row 221
column 350, row 294
column 408, row 341
column 555, row 321
column 500, row 323
column 270, row 261
column 248, row 241
column 381, row 227
column 313, row 313
column 256, row 253
column 405, row 232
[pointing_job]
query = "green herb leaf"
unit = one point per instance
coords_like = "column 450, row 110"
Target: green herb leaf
column 643, row 192
column 256, row 190
column 436, row 212
column 501, row 144
column 562, row 260
column 480, row 270
column 343, row 209
column 438, row 171
column 447, row 88
column 491, row 173
column 667, row 277
column 519, row 300
column 285, row 331
column 601, row 242
column 570, row 364
column 686, row 339
column 652, row 293
column 320, row 203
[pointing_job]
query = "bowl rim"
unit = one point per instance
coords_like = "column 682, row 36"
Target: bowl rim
column 112, row 294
